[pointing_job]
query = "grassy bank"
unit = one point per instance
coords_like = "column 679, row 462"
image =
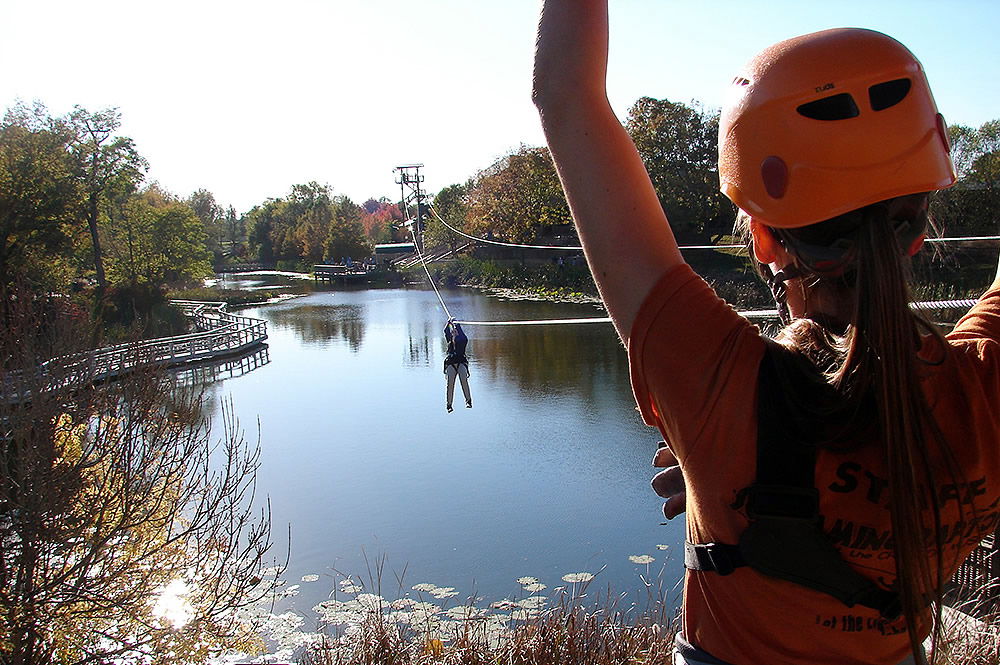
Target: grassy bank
column 232, row 297
column 727, row 273
column 567, row 636
column 940, row 273
column 549, row 280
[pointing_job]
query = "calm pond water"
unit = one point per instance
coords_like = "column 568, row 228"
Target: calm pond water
column 546, row 475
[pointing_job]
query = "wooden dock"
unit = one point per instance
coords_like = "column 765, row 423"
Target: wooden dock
column 331, row 272
column 219, row 334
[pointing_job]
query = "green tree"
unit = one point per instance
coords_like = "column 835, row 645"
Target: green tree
column 972, row 206
column 307, row 226
column 451, row 203
column 38, row 197
column 156, row 240
column 212, row 217
column 106, row 164
column 235, row 233
column 679, row 146
column 347, row 233
column 179, row 245
column 260, row 223
column 308, row 214
column 128, row 239
column 517, row 197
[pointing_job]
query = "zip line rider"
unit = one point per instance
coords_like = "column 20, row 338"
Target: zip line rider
column 455, row 362
column 836, row 476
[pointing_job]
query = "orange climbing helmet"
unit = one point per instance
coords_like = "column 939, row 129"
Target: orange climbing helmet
column 825, row 123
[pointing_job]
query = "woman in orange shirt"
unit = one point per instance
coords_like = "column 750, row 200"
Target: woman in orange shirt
column 837, row 475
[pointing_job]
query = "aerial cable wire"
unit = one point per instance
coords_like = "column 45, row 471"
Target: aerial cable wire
column 755, row 314
column 497, row 242
column 577, row 248
column 420, row 254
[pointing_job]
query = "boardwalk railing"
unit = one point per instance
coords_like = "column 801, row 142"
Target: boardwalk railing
column 338, row 271
column 219, row 334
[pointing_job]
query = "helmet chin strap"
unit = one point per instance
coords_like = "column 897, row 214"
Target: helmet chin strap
column 776, row 282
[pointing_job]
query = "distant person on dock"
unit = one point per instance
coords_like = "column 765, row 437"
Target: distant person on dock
column 455, row 362
column 837, row 475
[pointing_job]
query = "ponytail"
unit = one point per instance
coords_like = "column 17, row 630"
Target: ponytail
column 873, row 358
column 883, row 356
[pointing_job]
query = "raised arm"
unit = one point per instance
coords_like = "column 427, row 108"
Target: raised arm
column 625, row 234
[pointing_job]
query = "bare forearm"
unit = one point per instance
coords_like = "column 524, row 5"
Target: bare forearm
column 624, row 232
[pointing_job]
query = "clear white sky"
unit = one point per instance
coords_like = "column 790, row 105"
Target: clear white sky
column 246, row 98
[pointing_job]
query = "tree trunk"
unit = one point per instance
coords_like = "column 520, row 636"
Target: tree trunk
column 96, row 240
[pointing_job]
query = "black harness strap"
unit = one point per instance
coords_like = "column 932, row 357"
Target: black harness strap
column 784, row 538
column 716, row 557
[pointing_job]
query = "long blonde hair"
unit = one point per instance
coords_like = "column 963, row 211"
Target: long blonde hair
column 874, row 354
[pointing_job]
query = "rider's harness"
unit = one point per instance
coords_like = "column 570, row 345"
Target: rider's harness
column 785, row 539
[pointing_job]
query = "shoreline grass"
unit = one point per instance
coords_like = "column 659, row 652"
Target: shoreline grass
column 572, row 625
column 421, row 625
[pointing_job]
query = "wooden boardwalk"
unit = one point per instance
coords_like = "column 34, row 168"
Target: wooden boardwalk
column 219, row 334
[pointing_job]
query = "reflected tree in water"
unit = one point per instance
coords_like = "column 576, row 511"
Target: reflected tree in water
column 322, row 323
column 549, row 357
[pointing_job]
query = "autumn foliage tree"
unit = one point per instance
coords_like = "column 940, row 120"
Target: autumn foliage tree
column 517, row 197
column 381, row 221
column 108, row 495
column 307, row 226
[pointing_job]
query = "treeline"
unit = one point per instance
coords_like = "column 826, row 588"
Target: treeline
column 74, row 204
column 312, row 225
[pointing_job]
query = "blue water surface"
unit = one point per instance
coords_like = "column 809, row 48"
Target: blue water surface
column 546, row 475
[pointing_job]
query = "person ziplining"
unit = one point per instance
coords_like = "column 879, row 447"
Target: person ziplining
column 456, row 364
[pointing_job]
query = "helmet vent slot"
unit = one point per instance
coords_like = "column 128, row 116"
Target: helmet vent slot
column 890, row 93
column 834, row 107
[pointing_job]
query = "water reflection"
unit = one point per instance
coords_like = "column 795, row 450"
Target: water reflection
column 226, row 368
column 550, row 357
column 419, row 348
column 271, row 280
column 323, row 322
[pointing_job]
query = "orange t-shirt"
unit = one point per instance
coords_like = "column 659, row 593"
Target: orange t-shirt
column 694, row 364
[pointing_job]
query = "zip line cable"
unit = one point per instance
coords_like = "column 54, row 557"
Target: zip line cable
column 577, row 248
column 497, row 242
column 755, row 314
column 962, row 239
column 416, row 246
column 538, row 322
